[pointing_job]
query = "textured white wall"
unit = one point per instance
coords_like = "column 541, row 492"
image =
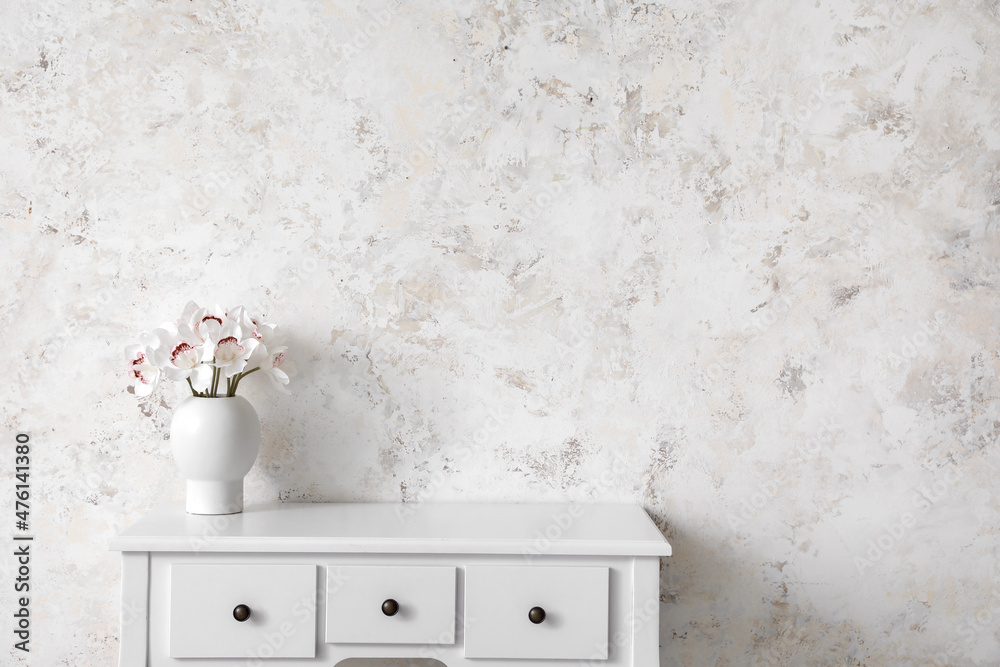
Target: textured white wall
column 734, row 261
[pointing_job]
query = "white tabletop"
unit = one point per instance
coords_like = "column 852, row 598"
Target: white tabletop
column 439, row 528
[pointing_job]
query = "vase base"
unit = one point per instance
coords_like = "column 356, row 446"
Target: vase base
column 214, row 497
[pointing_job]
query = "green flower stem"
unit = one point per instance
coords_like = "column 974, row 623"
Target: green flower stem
column 215, row 380
column 193, row 392
column 239, row 377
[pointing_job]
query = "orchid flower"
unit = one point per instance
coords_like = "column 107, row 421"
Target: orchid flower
column 232, row 350
column 279, row 369
column 201, row 324
column 206, row 345
column 266, row 334
column 182, row 357
column 143, row 373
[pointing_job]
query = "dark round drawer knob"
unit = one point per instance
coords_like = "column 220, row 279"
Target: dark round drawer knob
column 241, row 612
column 536, row 615
column 390, row 607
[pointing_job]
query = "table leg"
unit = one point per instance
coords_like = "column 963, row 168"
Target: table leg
column 645, row 612
column 134, row 633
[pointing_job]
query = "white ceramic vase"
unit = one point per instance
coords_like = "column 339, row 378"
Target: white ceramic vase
column 215, row 442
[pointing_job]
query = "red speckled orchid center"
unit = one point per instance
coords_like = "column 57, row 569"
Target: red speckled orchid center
column 142, row 371
column 184, row 355
column 198, row 329
column 228, row 350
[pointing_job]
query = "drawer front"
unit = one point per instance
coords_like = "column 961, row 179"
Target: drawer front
column 281, row 601
column 498, row 600
column 359, row 597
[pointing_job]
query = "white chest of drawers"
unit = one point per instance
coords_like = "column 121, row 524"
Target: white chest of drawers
column 480, row 585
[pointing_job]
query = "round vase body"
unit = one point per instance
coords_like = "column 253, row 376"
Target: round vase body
column 215, row 442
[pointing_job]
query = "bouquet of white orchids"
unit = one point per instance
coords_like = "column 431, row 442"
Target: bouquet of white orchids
column 213, row 349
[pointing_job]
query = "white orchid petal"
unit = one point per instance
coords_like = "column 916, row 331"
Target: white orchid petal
column 149, row 339
column 277, row 383
column 206, row 352
column 201, row 377
column 190, row 310
column 174, row 373
column 259, row 356
column 234, row 368
column 141, row 389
